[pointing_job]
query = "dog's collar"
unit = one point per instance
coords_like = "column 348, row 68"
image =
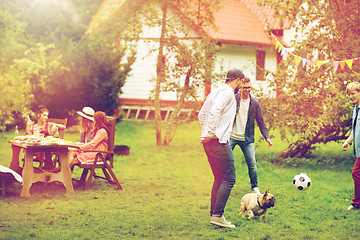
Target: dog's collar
column 259, row 203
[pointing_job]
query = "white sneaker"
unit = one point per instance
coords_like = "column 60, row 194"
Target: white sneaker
column 220, row 221
column 256, row 190
column 353, row 208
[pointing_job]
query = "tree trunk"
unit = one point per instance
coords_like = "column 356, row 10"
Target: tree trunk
column 2, row 130
column 173, row 120
column 295, row 150
column 160, row 71
column 327, row 134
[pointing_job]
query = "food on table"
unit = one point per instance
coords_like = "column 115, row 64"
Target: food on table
column 37, row 140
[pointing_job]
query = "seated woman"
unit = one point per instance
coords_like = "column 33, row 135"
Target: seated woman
column 42, row 125
column 87, row 125
column 99, row 142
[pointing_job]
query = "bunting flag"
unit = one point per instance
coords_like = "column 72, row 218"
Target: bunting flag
column 308, row 63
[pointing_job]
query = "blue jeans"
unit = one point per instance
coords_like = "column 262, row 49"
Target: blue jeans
column 248, row 150
column 221, row 160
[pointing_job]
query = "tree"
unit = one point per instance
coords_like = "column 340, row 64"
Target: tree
column 93, row 67
column 191, row 57
column 14, row 89
column 311, row 103
column 17, row 81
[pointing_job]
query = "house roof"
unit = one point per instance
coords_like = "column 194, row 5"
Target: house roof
column 237, row 24
column 244, row 22
column 239, row 21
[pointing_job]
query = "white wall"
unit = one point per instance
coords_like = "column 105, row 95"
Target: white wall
column 142, row 78
column 138, row 84
column 141, row 82
column 244, row 58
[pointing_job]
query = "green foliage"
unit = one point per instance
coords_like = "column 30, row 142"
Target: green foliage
column 312, row 103
column 23, row 77
column 67, row 69
column 12, row 32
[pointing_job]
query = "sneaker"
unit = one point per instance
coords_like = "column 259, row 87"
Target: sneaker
column 222, row 216
column 220, row 221
column 353, row 208
column 256, row 190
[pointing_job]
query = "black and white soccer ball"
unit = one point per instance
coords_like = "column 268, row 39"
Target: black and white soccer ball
column 301, row 182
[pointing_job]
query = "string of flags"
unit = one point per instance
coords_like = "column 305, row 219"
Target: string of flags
column 285, row 53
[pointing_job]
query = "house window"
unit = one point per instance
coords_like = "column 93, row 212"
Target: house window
column 260, row 65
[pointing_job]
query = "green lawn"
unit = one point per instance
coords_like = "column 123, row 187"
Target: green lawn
column 167, row 194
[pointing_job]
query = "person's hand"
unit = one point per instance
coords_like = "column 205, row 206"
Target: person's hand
column 269, row 142
column 345, row 147
column 29, row 123
column 53, row 128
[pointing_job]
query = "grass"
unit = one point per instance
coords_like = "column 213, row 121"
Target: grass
column 167, row 194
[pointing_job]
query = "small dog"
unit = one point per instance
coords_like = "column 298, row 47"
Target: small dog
column 256, row 205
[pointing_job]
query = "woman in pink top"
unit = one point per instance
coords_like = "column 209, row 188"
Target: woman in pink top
column 42, row 126
column 99, row 141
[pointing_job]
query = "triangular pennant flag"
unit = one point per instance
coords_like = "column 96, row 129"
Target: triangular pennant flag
column 342, row 64
column 304, row 62
column 283, row 51
column 356, row 61
column 308, row 63
column 297, row 59
column 336, row 65
column 286, row 53
column 280, row 48
column 320, row 63
column 277, row 45
column 349, row 62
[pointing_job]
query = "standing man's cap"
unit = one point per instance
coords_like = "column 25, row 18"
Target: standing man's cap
column 234, row 73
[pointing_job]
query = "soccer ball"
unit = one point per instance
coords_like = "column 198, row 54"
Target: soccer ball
column 301, row 182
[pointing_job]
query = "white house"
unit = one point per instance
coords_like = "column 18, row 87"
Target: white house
column 244, row 44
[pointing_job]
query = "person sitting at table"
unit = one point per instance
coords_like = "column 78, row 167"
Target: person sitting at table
column 99, row 142
column 87, row 125
column 42, row 125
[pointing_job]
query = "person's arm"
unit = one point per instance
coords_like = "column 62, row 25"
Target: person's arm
column 98, row 138
column 269, row 142
column 262, row 125
column 347, row 142
column 214, row 115
column 29, row 129
column 203, row 112
column 29, row 126
column 60, row 126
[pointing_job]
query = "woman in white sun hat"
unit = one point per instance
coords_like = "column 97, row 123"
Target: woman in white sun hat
column 87, row 124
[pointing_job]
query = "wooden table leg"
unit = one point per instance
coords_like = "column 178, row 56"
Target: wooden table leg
column 14, row 165
column 27, row 173
column 66, row 172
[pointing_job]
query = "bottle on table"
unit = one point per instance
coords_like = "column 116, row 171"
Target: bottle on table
column 16, row 132
column 56, row 133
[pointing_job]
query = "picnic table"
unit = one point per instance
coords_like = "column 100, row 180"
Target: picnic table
column 60, row 147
